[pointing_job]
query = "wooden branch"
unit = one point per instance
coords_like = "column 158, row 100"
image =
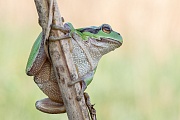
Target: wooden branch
column 62, row 60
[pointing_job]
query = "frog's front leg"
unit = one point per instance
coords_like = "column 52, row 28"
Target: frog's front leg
column 85, row 81
column 65, row 30
column 83, row 84
column 48, row 106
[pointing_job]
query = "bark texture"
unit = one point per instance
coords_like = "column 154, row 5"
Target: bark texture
column 61, row 59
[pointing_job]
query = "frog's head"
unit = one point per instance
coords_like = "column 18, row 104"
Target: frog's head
column 102, row 37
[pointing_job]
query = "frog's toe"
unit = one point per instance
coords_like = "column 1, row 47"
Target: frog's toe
column 48, row 106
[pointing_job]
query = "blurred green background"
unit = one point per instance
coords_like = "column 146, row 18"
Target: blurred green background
column 139, row 81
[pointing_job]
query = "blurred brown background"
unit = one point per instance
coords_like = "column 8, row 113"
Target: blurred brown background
column 139, row 81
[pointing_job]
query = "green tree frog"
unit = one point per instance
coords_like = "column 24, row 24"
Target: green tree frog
column 88, row 46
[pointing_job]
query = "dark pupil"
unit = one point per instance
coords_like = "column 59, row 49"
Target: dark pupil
column 106, row 28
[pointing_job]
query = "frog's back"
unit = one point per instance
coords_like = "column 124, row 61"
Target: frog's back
column 36, row 57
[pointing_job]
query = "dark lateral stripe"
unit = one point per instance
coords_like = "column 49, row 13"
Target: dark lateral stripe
column 91, row 30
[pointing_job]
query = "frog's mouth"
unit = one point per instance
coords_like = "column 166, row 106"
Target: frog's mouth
column 111, row 41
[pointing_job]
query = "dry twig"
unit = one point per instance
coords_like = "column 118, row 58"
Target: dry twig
column 61, row 58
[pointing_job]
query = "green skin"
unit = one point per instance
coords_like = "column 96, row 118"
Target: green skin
column 89, row 45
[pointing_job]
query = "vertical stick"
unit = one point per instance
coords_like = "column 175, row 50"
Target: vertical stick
column 62, row 61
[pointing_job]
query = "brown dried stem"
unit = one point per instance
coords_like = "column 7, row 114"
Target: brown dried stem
column 62, row 61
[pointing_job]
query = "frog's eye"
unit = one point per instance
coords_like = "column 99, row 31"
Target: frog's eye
column 106, row 28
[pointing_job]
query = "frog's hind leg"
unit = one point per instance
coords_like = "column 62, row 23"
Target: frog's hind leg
column 47, row 82
column 48, row 106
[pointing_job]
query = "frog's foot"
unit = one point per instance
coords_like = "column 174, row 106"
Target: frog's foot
column 92, row 111
column 48, row 106
column 84, row 86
